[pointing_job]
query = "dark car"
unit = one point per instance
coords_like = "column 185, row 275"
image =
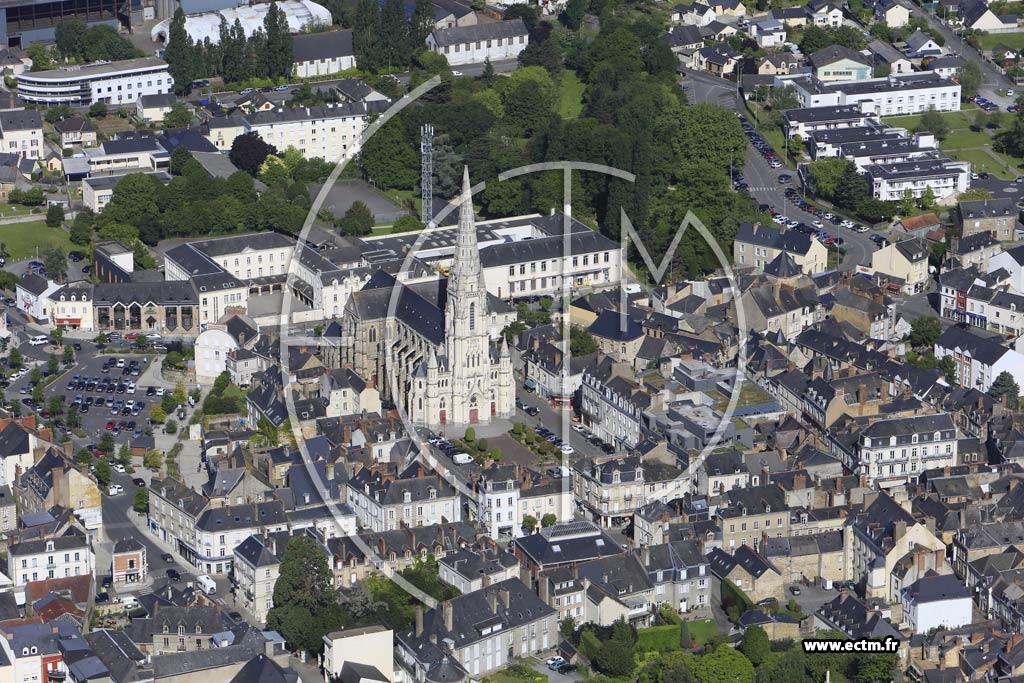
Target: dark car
column 107, row 580
column 566, row 668
column 532, row 411
column 141, row 483
column 173, row 575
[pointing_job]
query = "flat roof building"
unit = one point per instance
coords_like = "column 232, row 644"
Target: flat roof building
column 118, row 83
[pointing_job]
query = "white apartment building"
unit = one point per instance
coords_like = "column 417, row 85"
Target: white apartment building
column 327, row 132
column 476, row 44
column 978, row 360
column 893, row 452
column 21, row 133
column 944, row 176
column 255, row 572
column 383, row 502
column 220, row 530
column 912, row 93
column 50, row 558
column 114, row 83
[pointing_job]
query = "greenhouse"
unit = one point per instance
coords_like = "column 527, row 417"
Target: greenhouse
column 300, row 13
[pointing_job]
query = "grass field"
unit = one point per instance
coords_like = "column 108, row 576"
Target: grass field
column 702, row 630
column 982, row 161
column 1012, row 40
column 966, row 138
column 22, row 239
column 955, row 119
column 570, row 95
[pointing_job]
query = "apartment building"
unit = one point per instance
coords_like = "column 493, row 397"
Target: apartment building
column 753, row 514
column 50, row 558
column 943, row 176
column 978, row 360
column 494, row 41
column 758, row 245
column 114, row 83
column 384, row 500
column 173, row 511
column 912, row 93
column 256, row 568
column 612, row 403
column 219, row 530
column 996, row 216
column 892, row 452
column 905, row 262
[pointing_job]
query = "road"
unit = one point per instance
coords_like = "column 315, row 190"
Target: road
column 763, row 181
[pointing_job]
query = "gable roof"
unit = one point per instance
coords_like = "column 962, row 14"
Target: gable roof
column 460, row 35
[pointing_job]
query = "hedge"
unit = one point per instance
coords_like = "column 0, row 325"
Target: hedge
column 732, row 595
column 658, row 638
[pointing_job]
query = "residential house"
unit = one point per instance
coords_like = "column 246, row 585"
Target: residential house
column 323, row 54
column 564, row 544
column 366, row 651
column 384, row 499
column 904, row 262
column 839, row 63
column 978, row 360
column 757, row 245
column 894, row 451
column 758, row 578
column 996, row 216
column 128, row 562
column 155, row 107
column 854, row 617
column 256, row 569
column 50, row 558
column 937, row 601
column 470, row 570
column 76, row 130
column 974, row 250
column 892, row 13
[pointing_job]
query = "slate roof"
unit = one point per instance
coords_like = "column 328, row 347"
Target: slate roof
column 981, row 349
column 312, row 47
column 723, row 564
column 767, row 236
column 262, row 669
column 25, row 119
column 459, row 35
column 618, row 327
column 835, row 53
column 568, row 542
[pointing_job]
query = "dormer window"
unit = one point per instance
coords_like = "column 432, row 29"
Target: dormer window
column 408, row 497
column 432, row 493
column 165, row 628
column 767, row 508
column 181, row 630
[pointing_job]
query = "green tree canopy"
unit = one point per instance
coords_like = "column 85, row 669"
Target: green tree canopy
column 925, row 331
column 305, row 606
column 1005, row 386
column 724, row 665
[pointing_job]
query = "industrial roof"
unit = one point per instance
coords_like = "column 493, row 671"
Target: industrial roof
column 200, row 27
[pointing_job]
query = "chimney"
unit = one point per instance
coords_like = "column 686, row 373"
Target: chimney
column 544, row 589
column 645, row 555
column 37, row 454
column 504, row 596
column 492, row 600
column 799, row 481
column 862, row 393
column 446, row 613
column 69, row 449
column 419, row 620
column 899, row 530
column 329, row 469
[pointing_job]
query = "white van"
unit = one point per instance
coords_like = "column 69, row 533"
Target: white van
column 207, row 584
column 38, row 340
column 462, row 458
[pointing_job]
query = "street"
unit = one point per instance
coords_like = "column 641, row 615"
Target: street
column 763, row 181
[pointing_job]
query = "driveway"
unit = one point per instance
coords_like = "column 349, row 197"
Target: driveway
column 538, row 665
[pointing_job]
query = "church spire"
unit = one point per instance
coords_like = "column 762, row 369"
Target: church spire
column 466, row 265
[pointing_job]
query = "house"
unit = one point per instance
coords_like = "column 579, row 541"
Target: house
column 21, row 133
column 888, row 60
column 768, row 32
column 728, row 8
column 618, row 336
column 748, row 571
column 776, row 64
column 32, row 296
column 996, row 216
column 757, row 245
column 71, row 306
column 128, row 562
column 718, row 60
column 472, row 569
column 920, row 226
column 684, row 39
column 839, row 63
column 794, row 17
column 936, row 601
column 824, row 13
column 564, row 544
column 697, row 14
column 322, row 54
column 233, row 332
column 892, row 13
column 976, row 15
column 384, row 499
column 17, row 445
column 155, row 107
column 492, row 41
column 1011, row 262
column 97, row 192
column 947, row 66
column 476, row 627
column 920, row 45
column 906, row 261
column 59, row 557
column 76, row 131
column 974, row 250
column 256, row 568
column 892, row 451
column 978, row 360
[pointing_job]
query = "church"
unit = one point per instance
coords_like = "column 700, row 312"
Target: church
column 431, row 347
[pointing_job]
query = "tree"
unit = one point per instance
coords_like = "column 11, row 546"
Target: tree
column 407, row 223
column 305, row 607
column 277, row 53
column 815, row 38
column 158, row 414
column 1006, row 387
column 103, row 43
column 249, row 151
column 528, row 13
column 724, row 665
column 615, row 658
column 141, row 500
column 969, row 77
column 14, row 358
column 366, row 35
column 826, row 174
column 567, row 627
column 389, row 158
column 55, row 262
column 181, row 54
column 70, row 38
column 180, row 116
column 685, row 640
column 68, row 356
column 572, row 15
column 358, row 220
column 928, row 198
column 487, row 75
column 755, row 645
column 98, row 110
column 54, row 216
column 852, row 188
column 103, row 472
column 581, row 342
column 933, row 122
column 876, row 668
column 925, row 331
column 153, row 459
column 948, row 368
column 42, row 58
column 179, row 158
column 876, row 210
column 106, row 444
column 394, row 34
column 530, row 523
column 548, row 520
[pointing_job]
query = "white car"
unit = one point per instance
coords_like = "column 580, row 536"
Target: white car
column 456, row 73
column 462, row 458
column 118, row 467
column 1009, row 93
column 579, row 428
column 554, row 661
column 160, row 391
column 153, row 336
column 115, row 489
column 567, row 449
column 131, row 388
column 818, row 224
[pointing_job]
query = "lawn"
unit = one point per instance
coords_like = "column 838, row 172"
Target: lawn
column 982, row 161
column 702, row 630
column 14, row 210
column 517, row 674
column 22, row 239
column 966, row 138
column 570, row 96
column 955, row 119
column 750, row 395
column 1012, row 40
